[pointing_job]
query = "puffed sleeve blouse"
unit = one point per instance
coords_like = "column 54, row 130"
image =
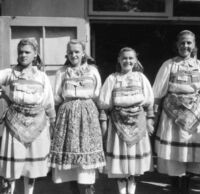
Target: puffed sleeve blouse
column 29, row 87
column 106, row 95
column 160, row 86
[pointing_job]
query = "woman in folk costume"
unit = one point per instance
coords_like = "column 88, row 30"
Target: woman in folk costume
column 77, row 149
column 26, row 136
column 128, row 97
column 177, row 86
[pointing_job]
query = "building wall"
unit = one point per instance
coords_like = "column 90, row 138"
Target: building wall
column 44, row 8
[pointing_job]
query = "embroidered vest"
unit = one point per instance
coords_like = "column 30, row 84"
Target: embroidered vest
column 182, row 103
column 184, row 81
column 82, row 87
column 129, row 94
column 26, row 91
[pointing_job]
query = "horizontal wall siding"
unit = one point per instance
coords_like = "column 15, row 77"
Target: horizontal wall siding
column 45, row 8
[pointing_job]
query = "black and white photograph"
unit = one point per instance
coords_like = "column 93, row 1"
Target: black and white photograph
column 99, row 97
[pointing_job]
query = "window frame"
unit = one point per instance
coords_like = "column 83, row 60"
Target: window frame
column 166, row 13
column 7, row 22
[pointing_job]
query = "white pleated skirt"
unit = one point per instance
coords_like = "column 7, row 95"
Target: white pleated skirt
column 178, row 151
column 17, row 160
column 123, row 160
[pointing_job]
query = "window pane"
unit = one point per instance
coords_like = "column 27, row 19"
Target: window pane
column 129, row 5
column 56, row 39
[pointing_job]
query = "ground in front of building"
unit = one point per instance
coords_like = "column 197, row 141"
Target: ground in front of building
column 149, row 183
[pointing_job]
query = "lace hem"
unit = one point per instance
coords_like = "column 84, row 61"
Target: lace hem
column 70, row 160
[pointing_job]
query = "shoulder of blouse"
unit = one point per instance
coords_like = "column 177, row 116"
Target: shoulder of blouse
column 39, row 72
column 7, row 70
column 138, row 73
column 169, row 61
column 141, row 74
column 44, row 74
column 167, row 64
column 93, row 67
column 113, row 76
column 61, row 70
column 198, row 60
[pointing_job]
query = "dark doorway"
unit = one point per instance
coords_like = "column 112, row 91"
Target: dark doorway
column 154, row 43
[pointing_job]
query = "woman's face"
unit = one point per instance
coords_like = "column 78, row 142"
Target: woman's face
column 26, row 55
column 127, row 61
column 185, row 45
column 75, row 54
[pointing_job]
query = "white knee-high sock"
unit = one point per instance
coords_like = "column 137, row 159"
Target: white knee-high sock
column 12, row 186
column 122, row 183
column 28, row 185
column 131, row 185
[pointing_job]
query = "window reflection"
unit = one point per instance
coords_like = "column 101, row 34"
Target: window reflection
column 129, row 5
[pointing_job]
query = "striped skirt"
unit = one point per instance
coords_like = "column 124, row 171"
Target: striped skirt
column 78, row 139
column 18, row 160
column 178, row 151
column 123, row 160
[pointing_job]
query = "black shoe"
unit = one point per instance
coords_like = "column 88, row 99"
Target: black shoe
column 89, row 189
column 74, row 187
column 175, row 185
column 5, row 187
column 185, row 185
column 86, row 189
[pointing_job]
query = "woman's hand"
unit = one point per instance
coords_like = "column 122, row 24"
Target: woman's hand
column 52, row 129
column 1, row 91
column 103, row 127
column 150, row 126
column 103, row 124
